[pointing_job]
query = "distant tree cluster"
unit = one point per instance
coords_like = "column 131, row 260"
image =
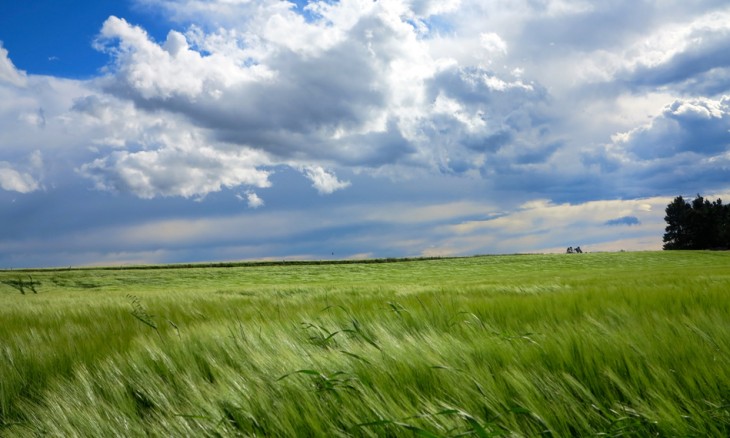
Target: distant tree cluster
column 700, row 224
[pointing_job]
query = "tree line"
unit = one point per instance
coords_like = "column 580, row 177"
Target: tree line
column 699, row 224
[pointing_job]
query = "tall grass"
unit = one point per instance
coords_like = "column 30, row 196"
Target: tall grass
column 630, row 344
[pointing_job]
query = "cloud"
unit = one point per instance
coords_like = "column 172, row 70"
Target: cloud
column 23, row 177
column 634, row 44
column 37, row 118
column 42, row 141
column 8, row 72
column 15, row 181
column 364, row 91
column 543, row 226
column 235, row 92
column 169, row 70
column 543, row 216
column 287, row 104
column 185, row 168
column 700, row 126
column 679, row 52
column 370, row 84
column 626, row 220
column 683, row 148
column 153, row 154
column 325, row 182
column 253, row 199
column 493, row 43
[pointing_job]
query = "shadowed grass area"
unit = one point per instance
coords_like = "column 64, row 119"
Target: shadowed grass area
column 626, row 344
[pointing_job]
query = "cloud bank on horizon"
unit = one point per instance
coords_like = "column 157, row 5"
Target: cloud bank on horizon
column 367, row 128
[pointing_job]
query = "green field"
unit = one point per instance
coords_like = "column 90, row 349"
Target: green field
column 619, row 344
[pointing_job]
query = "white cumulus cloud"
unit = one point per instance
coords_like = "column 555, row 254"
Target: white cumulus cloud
column 175, row 171
column 8, row 72
column 324, row 181
column 14, row 181
column 493, row 43
column 253, row 200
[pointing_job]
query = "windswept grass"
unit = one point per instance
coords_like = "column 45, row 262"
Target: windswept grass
column 629, row 344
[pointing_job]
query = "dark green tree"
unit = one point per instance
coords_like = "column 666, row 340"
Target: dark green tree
column 677, row 235
column 698, row 225
column 723, row 223
column 701, row 224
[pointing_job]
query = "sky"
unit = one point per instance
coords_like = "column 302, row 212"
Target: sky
column 170, row 131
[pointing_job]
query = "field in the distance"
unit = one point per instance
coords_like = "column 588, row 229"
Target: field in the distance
column 621, row 344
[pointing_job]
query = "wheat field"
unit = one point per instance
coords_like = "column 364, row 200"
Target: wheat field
column 612, row 344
